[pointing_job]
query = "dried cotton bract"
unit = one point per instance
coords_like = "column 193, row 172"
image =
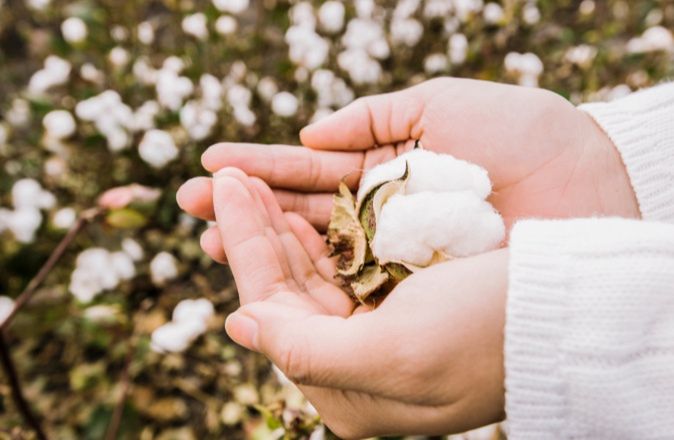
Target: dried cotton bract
column 411, row 212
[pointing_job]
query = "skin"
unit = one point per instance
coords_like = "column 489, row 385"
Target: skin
column 428, row 360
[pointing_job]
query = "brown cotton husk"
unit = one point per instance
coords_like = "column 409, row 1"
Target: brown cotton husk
column 351, row 230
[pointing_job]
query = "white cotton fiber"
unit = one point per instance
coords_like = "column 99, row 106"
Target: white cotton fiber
column 414, row 228
column 429, row 171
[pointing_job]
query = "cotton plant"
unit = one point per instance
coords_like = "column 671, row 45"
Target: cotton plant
column 414, row 211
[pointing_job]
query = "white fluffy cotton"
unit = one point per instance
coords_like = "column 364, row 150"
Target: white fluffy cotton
column 413, row 228
column 163, row 268
column 74, row 30
column 6, row 307
column 157, row 148
column 439, row 213
column 96, row 270
column 59, row 124
column 189, row 321
column 429, row 171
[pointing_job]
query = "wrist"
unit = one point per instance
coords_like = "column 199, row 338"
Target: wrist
column 612, row 184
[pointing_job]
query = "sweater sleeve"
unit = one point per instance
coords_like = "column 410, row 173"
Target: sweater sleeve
column 589, row 338
column 641, row 126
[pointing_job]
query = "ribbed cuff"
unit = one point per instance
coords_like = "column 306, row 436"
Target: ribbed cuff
column 588, row 301
column 641, row 126
column 535, row 403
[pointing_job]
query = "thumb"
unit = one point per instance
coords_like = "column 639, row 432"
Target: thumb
column 315, row 349
column 367, row 122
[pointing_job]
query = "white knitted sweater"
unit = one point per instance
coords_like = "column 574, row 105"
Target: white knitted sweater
column 589, row 351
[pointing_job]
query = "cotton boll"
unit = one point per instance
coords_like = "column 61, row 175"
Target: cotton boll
column 28, row 193
column 163, row 268
column 171, row 337
column 582, row 55
column 64, row 218
column 238, row 95
column 193, row 309
column 172, row 89
column 119, row 57
column 458, row 48
column 362, row 69
column 435, row 63
column 284, row 104
column 101, row 314
column 144, row 116
column 123, row 265
column 428, row 171
column 84, row 285
column 407, row 31
column 157, row 148
column 226, row 25
column 197, row 120
column 132, row 249
column 331, row 16
column 6, row 307
column 493, row 13
column 530, row 14
column 195, row 25
column 453, row 224
column 267, row 88
column 244, row 116
column 55, row 72
column 145, row 32
column 74, row 30
column 59, row 124
column 231, row 6
column 38, row 5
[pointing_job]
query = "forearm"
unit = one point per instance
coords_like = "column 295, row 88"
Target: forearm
column 641, row 126
column 589, row 343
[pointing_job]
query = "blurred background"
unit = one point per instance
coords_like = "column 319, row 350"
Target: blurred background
column 124, row 338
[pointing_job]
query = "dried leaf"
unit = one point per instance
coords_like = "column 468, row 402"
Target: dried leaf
column 371, row 205
column 345, row 234
column 369, row 281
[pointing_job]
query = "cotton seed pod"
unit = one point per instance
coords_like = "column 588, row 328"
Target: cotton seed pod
column 414, row 211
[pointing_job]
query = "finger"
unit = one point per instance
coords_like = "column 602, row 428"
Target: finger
column 196, row 197
column 252, row 255
column 315, row 208
column 329, row 296
column 313, row 243
column 315, row 246
column 211, row 243
column 368, row 122
column 283, row 166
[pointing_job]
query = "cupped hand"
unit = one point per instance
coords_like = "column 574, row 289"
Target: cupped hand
column 428, row 360
column 545, row 157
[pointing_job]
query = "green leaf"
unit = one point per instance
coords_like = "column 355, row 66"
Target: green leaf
column 125, row 218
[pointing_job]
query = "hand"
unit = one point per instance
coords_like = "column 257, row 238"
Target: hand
column 428, row 360
column 545, row 157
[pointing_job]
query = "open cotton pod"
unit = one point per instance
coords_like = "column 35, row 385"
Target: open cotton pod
column 416, row 210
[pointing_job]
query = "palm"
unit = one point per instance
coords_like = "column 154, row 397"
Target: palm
column 545, row 157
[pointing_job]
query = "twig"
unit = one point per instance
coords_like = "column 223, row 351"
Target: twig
column 17, row 391
column 25, row 296
column 124, row 380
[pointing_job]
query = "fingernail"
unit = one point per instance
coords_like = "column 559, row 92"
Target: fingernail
column 243, row 330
